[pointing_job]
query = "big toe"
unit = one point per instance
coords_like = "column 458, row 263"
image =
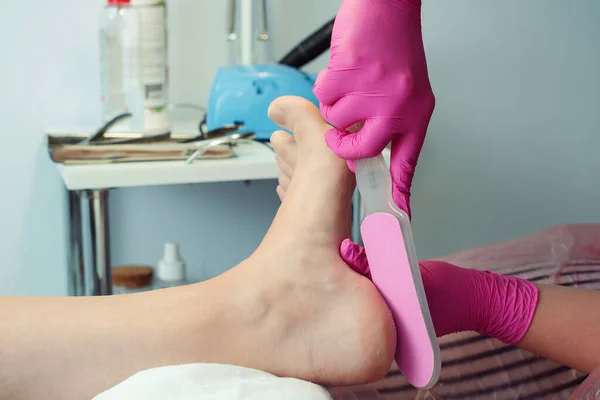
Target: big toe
column 300, row 116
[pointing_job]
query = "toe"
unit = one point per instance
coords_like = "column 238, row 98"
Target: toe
column 298, row 115
column 280, row 193
column 286, row 167
column 286, row 152
column 284, row 181
column 284, row 146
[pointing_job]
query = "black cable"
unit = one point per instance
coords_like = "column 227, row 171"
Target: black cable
column 310, row 48
column 202, row 124
column 100, row 132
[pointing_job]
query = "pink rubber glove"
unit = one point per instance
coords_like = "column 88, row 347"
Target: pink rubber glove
column 377, row 74
column 462, row 299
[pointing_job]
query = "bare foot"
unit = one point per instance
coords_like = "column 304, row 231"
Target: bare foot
column 326, row 323
column 293, row 308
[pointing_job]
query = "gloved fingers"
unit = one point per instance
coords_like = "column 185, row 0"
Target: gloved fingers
column 351, row 167
column 353, row 129
column 427, row 268
column 405, row 154
column 345, row 112
column 355, row 256
column 330, row 86
column 368, row 142
column 402, row 200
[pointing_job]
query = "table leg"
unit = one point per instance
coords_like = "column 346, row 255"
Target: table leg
column 75, row 254
column 99, row 241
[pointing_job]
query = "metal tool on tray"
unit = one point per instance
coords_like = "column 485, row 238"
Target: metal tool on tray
column 215, row 133
column 99, row 134
column 230, row 139
column 112, row 147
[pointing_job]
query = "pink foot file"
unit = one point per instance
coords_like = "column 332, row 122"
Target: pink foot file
column 390, row 249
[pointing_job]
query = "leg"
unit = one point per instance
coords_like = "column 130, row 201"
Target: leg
column 293, row 308
column 75, row 252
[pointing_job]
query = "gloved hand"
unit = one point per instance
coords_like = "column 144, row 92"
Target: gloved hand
column 459, row 299
column 377, row 73
column 462, row 299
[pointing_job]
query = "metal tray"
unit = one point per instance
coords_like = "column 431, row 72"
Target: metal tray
column 132, row 147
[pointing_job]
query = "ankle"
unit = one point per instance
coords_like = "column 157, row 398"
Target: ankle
column 221, row 318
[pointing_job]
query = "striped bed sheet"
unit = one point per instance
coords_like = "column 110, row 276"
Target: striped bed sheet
column 478, row 367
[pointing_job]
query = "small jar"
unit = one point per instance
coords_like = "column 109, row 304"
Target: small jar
column 132, row 279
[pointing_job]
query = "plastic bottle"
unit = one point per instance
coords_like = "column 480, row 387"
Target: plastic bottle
column 134, row 72
column 171, row 269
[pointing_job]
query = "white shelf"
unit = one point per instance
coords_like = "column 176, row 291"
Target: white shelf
column 251, row 161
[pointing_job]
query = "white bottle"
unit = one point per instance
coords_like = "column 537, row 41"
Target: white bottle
column 134, row 65
column 171, row 269
column 112, row 92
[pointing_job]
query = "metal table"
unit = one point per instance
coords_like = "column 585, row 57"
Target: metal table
column 88, row 186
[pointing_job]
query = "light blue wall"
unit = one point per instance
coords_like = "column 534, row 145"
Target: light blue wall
column 48, row 70
column 512, row 146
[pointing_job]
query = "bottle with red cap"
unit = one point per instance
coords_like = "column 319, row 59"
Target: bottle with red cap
column 134, row 65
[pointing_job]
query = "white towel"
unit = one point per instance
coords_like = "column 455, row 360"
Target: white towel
column 211, row 382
